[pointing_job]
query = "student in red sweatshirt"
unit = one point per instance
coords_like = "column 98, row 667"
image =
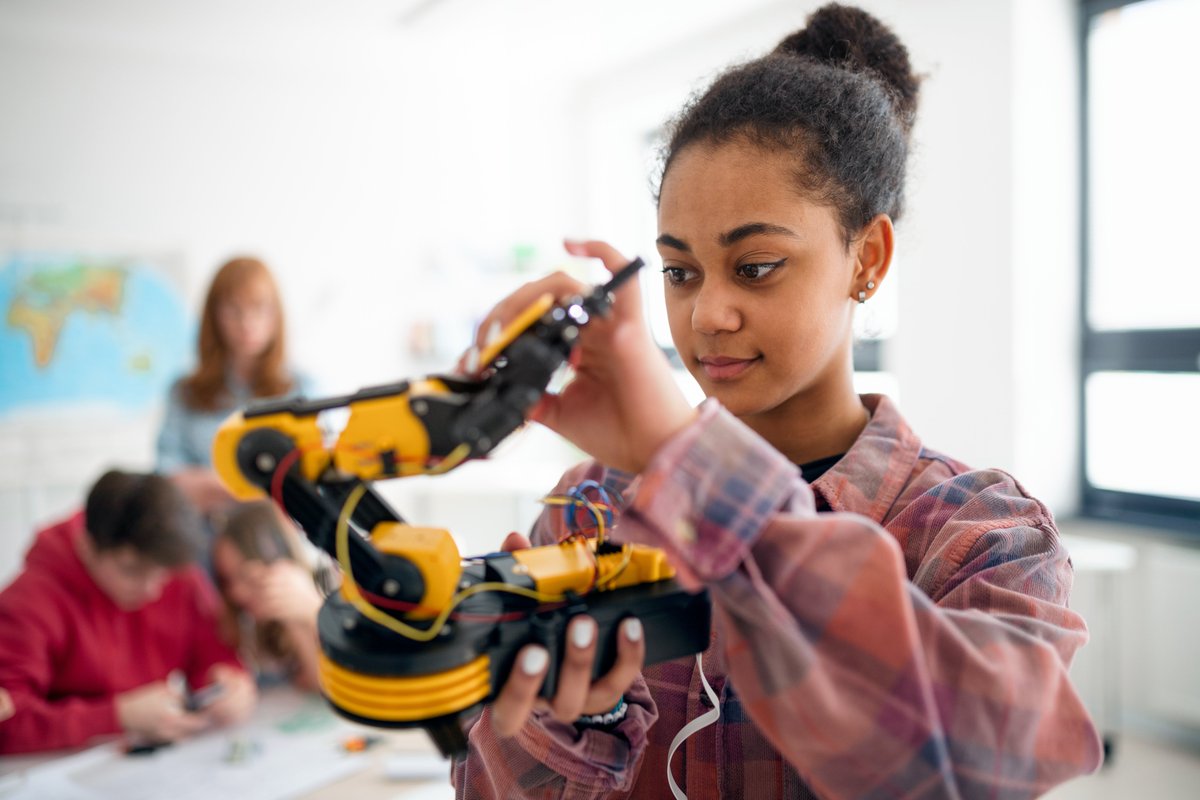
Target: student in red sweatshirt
column 108, row 606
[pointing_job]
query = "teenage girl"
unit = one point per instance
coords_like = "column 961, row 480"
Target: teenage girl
column 242, row 356
column 888, row 622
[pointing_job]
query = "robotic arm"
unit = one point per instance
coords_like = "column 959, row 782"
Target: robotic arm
column 418, row 635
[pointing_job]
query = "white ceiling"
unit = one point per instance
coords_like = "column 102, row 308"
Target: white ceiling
column 572, row 37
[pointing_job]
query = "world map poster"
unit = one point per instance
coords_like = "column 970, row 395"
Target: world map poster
column 88, row 329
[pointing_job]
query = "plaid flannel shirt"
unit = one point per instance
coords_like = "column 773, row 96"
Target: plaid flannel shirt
column 912, row 642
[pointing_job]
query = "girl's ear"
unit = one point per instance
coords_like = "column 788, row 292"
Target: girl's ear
column 873, row 251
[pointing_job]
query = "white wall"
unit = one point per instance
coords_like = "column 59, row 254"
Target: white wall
column 344, row 175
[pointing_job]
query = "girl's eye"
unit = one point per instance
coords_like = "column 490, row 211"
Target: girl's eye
column 755, row 272
column 676, row 276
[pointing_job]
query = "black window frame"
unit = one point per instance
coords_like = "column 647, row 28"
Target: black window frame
column 1169, row 350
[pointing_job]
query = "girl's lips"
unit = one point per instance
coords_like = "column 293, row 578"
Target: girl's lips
column 719, row 368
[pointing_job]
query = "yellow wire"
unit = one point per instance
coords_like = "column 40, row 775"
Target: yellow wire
column 595, row 508
column 617, row 573
column 391, row 623
column 456, row 457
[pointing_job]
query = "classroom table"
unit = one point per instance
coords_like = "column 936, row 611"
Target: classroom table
column 293, row 746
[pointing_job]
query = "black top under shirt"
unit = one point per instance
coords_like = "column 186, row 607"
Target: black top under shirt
column 815, row 469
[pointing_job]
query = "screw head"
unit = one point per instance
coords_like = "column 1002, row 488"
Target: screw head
column 578, row 313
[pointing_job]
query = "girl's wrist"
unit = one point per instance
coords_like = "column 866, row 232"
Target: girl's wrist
column 671, row 428
column 606, row 720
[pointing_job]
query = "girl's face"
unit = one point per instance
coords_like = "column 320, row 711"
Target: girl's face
column 248, row 320
column 237, row 576
column 758, row 280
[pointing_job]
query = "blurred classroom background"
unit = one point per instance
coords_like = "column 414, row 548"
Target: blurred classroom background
column 403, row 164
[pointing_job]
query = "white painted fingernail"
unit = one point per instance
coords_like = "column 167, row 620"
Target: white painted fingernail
column 633, row 629
column 582, row 632
column 493, row 333
column 472, row 361
column 533, row 661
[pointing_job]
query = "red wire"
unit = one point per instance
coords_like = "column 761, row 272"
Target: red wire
column 281, row 470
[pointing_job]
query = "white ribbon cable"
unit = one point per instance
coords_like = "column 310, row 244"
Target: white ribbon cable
column 702, row 721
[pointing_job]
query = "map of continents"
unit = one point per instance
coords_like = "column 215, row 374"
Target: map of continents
column 83, row 330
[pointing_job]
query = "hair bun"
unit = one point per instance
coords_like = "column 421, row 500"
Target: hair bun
column 850, row 38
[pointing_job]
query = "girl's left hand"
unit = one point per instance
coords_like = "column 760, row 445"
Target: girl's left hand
column 577, row 693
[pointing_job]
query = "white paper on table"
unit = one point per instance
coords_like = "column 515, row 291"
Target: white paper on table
column 294, row 744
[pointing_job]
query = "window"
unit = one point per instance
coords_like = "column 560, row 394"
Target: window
column 1141, row 271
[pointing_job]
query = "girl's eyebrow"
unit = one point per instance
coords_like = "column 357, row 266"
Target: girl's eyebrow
column 668, row 240
column 754, row 229
column 733, row 236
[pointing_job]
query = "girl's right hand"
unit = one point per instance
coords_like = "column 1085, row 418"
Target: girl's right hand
column 622, row 403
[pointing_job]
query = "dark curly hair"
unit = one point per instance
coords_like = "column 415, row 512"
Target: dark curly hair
column 840, row 95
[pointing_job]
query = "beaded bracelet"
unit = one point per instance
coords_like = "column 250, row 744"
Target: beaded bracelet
column 604, row 720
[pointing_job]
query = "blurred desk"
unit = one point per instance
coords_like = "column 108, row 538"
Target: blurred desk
column 293, row 747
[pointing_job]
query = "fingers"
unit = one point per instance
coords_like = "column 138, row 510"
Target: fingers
column 175, row 686
column 180, row 725
column 515, row 701
column 575, row 675
column 576, row 694
column 594, row 248
column 631, row 656
column 238, row 699
column 629, row 297
column 514, row 541
column 558, row 284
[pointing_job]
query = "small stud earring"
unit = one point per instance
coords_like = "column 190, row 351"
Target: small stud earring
column 870, row 285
